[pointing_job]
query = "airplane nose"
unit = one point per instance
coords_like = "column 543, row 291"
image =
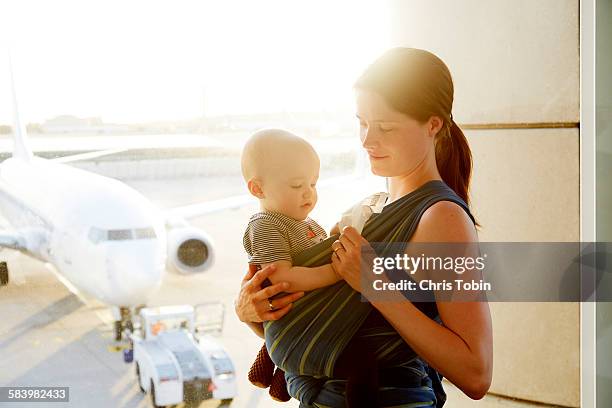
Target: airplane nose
column 134, row 280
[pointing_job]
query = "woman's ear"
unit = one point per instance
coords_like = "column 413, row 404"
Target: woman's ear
column 255, row 188
column 434, row 125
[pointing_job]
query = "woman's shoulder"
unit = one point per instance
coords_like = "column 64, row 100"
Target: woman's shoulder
column 445, row 221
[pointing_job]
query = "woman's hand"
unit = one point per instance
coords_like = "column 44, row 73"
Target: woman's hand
column 253, row 304
column 348, row 260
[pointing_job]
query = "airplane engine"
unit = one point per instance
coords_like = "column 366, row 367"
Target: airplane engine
column 190, row 250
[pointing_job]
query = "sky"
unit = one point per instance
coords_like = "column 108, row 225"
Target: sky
column 138, row 61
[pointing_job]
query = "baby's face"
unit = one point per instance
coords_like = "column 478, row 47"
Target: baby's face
column 292, row 191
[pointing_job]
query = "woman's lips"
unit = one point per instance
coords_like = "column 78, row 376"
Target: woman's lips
column 375, row 157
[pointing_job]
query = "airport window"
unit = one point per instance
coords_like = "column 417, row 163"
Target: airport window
column 168, row 140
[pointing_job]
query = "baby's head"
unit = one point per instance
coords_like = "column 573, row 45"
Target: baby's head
column 281, row 170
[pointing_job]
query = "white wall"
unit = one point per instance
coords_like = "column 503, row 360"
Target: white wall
column 516, row 62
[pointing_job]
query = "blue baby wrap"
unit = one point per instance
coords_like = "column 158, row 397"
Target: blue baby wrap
column 307, row 341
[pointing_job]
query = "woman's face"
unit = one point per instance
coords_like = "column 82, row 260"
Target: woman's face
column 396, row 143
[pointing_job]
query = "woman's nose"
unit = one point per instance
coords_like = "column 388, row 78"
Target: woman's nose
column 367, row 138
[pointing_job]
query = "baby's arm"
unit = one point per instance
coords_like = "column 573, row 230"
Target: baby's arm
column 301, row 278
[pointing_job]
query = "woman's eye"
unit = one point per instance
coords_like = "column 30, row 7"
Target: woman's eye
column 313, row 185
column 385, row 129
column 296, row 187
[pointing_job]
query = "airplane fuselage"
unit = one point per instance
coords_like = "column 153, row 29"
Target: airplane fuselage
column 104, row 237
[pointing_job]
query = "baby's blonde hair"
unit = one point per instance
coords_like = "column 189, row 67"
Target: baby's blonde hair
column 266, row 148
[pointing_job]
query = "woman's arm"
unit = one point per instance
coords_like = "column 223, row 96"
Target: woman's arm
column 462, row 348
column 252, row 305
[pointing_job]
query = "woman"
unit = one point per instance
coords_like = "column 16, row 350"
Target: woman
column 404, row 104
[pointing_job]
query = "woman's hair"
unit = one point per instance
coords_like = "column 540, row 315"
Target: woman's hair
column 417, row 83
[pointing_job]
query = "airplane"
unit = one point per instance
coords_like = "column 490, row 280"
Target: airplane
column 103, row 238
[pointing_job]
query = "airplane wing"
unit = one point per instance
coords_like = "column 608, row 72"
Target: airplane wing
column 237, row 201
column 87, row 156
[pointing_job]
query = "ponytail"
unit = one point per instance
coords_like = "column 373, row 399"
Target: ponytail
column 454, row 160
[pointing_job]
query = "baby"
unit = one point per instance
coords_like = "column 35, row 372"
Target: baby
column 281, row 170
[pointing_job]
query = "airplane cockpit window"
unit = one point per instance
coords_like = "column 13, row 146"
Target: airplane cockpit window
column 97, row 235
column 142, row 233
column 119, row 235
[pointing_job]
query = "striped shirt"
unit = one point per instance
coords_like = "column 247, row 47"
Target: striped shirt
column 271, row 237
